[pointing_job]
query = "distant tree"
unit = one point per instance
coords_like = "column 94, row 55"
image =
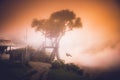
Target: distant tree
column 55, row 27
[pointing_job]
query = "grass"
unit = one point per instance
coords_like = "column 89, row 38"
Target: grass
column 62, row 71
column 58, row 71
column 60, row 74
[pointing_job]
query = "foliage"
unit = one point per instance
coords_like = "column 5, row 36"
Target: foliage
column 73, row 68
column 61, row 74
column 57, row 23
column 55, row 27
column 33, row 55
column 39, row 56
column 62, row 71
column 67, row 67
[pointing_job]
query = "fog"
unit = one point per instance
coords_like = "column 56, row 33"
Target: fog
column 96, row 44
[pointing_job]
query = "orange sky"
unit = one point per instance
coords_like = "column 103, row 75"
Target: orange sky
column 100, row 19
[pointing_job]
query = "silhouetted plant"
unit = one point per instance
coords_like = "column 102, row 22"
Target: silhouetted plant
column 62, row 71
column 58, row 64
column 73, row 68
column 32, row 54
column 40, row 56
column 56, row 25
column 67, row 67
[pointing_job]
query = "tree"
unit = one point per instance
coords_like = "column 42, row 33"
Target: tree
column 55, row 27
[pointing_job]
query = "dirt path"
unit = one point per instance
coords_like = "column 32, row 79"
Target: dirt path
column 41, row 68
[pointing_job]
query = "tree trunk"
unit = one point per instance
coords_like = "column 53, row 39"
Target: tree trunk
column 55, row 52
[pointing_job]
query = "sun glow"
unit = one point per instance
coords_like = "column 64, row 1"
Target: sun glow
column 92, row 45
column 86, row 44
column 83, row 44
column 71, row 42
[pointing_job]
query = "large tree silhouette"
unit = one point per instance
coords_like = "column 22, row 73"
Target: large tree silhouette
column 55, row 27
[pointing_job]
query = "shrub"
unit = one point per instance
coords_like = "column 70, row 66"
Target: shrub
column 56, row 65
column 32, row 55
column 60, row 74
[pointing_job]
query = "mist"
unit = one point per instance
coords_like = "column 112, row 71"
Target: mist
column 96, row 45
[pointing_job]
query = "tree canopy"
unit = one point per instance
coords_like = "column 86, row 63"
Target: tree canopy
column 58, row 23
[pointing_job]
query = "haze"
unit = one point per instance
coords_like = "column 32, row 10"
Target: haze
column 91, row 45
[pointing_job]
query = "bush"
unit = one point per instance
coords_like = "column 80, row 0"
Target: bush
column 67, row 67
column 60, row 74
column 32, row 55
column 73, row 68
column 58, row 64
column 39, row 56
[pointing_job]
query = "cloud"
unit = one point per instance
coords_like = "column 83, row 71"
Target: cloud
column 101, row 47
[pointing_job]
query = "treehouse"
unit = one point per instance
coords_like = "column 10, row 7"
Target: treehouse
column 5, row 49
